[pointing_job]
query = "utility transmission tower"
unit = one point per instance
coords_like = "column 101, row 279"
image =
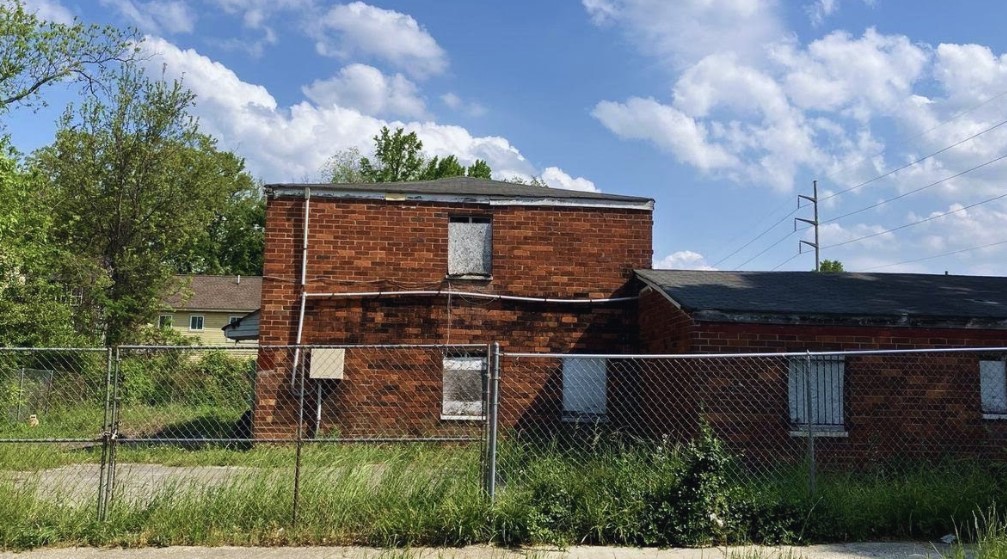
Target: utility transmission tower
column 813, row 222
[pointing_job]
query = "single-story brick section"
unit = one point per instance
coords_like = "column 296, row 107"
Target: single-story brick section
column 862, row 405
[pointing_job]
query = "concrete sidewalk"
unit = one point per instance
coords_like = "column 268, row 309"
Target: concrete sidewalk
column 831, row 551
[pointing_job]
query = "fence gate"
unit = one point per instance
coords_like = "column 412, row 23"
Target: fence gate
column 55, row 424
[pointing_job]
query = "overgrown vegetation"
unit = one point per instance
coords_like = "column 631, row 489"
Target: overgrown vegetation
column 600, row 491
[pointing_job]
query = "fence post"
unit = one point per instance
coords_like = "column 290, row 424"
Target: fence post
column 300, row 436
column 810, row 423
column 113, row 433
column 492, row 414
column 106, row 430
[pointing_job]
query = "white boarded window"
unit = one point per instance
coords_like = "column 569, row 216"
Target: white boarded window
column 463, row 388
column 585, row 388
column 993, row 387
column 825, row 379
column 470, row 246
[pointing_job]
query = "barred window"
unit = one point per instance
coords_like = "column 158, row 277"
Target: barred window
column 826, row 383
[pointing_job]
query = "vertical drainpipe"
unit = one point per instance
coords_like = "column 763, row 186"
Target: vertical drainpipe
column 304, row 290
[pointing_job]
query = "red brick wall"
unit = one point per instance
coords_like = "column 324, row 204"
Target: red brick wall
column 896, row 406
column 364, row 246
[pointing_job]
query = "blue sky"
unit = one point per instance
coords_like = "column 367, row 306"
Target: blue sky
column 723, row 111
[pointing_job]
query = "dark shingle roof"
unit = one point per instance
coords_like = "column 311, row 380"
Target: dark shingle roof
column 468, row 186
column 225, row 293
column 968, row 300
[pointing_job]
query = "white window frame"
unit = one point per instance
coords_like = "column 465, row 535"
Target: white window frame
column 585, row 389
column 165, row 321
column 828, row 401
column 993, row 388
column 202, row 322
column 463, row 410
column 231, row 319
column 479, row 243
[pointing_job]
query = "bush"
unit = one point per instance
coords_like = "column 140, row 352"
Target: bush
column 213, row 378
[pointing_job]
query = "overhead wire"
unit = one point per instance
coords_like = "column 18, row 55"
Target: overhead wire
column 911, row 224
column 935, row 256
column 757, row 237
column 765, row 250
column 914, row 191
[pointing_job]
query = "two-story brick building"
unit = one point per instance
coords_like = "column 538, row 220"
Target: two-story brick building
column 453, row 261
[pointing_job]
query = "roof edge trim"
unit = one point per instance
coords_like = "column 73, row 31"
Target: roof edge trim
column 644, row 204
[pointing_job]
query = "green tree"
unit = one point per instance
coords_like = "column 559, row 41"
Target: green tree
column 397, row 157
column 233, row 242
column 35, row 53
column 830, row 266
column 131, row 183
column 38, row 279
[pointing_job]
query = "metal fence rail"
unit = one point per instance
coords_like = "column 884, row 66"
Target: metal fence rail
column 329, row 428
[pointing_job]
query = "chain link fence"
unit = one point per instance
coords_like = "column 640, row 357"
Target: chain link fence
column 327, row 431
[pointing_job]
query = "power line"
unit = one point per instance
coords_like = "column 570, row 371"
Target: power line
column 757, row 237
column 951, row 119
column 765, row 250
column 1004, row 242
column 915, row 162
column 774, row 268
column 931, row 218
column 904, row 194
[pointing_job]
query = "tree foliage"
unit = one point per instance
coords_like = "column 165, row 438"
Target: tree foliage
column 134, row 186
column 398, row 157
column 35, row 53
column 830, row 266
column 38, row 279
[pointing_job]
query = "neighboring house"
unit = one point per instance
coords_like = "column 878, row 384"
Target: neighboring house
column 381, row 261
column 200, row 306
column 862, row 404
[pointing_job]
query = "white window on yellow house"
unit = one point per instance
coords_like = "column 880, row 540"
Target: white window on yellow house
column 196, row 322
column 164, row 321
column 233, row 318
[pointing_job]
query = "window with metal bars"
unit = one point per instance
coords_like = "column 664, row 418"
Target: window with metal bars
column 824, row 377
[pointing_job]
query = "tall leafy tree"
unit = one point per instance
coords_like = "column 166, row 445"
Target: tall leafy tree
column 38, row 278
column 35, row 54
column 234, row 240
column 132, row 183
column 830, row 266
column 398, row 157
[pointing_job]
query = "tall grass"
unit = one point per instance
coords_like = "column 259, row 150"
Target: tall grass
column 635, row 493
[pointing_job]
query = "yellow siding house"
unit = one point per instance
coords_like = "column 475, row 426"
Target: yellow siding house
column 200, row 306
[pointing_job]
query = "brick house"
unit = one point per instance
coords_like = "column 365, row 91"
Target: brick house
column 862, row 406
column 452, row 261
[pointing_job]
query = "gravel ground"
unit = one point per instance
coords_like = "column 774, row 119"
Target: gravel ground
column 833, row 551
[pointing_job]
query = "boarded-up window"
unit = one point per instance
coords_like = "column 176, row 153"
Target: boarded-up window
column 585, row 388
column 470, row 246
column 464, row 382
column 993, row 387
column 825, row 379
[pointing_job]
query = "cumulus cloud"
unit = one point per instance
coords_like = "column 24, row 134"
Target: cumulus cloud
column 156, row 16
column 683, row 260
column 284, row 144
column 50, row 10
column 819, row 10
column 557, row 178
column 365, row 89
column 456, row 103
column 364, row 30
column 686, row 31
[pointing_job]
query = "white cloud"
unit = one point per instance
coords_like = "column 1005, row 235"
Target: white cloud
column 156, row 16
column 284, row 144
column 683, row 260
column 365, row 89
column 470, row 108
column 686, row 31
column 819, row 10
column 256, row 15
column 50, row 10
column 364, row 30
column 557, row 178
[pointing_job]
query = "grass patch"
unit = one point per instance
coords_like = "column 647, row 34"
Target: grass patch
column 559, row 492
